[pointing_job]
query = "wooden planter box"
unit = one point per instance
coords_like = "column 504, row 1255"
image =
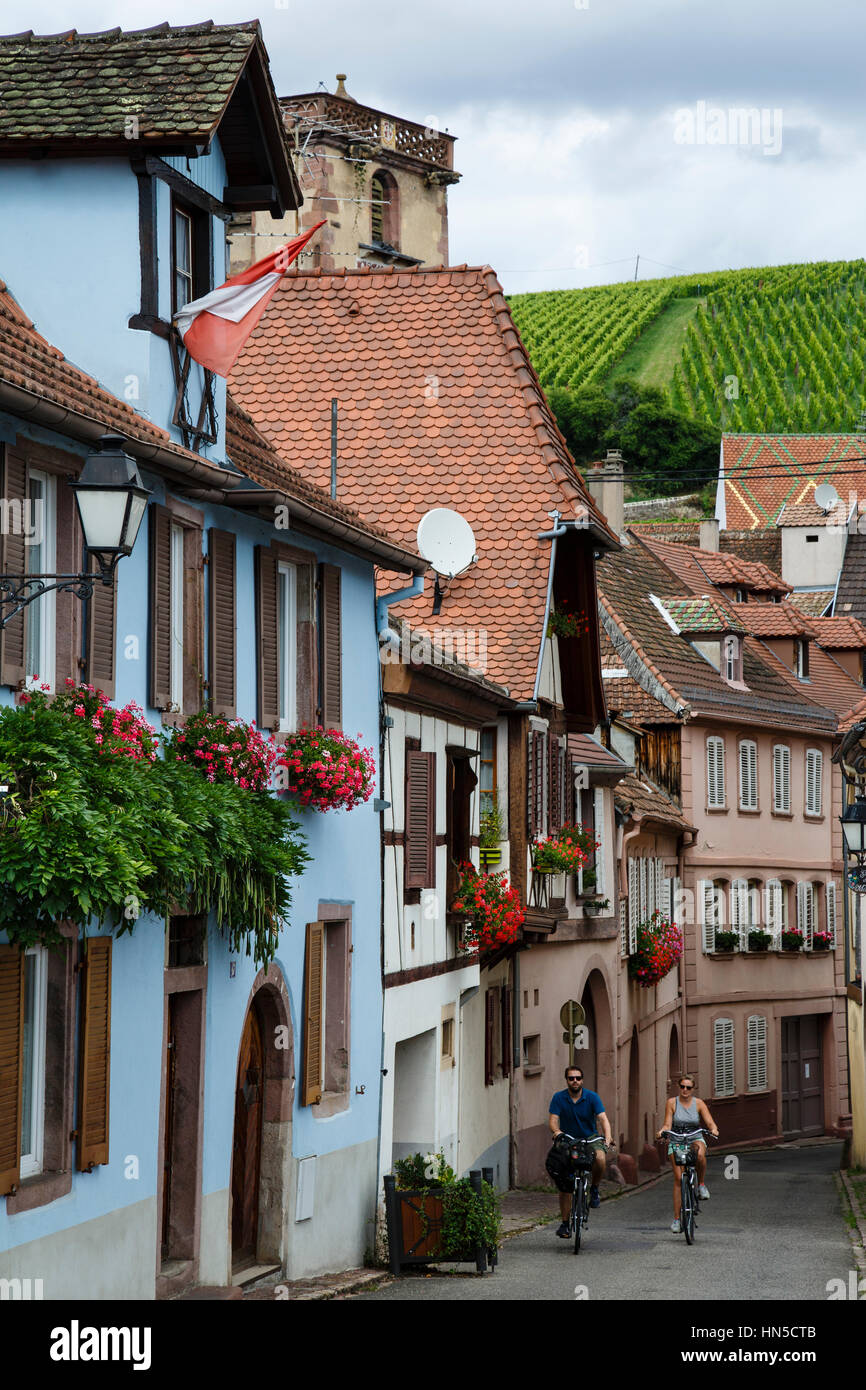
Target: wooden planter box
column 414, row 1220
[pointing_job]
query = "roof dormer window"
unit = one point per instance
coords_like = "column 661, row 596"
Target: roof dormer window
column 801, row 658
column 733, row 660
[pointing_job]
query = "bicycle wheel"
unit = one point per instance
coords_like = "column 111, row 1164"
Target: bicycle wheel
column 687, row 1211
column 580, row 1203
column 574, row 1225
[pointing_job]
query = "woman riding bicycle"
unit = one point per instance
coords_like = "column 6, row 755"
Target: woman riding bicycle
column 685, row 1112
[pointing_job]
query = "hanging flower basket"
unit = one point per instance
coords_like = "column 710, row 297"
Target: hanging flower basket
column 566, row 852
column 225, row 750
column 493, row 910
column 659, row 947
column 325, row 769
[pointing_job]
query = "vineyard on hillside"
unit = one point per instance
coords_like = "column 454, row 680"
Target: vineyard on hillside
column 770, row 350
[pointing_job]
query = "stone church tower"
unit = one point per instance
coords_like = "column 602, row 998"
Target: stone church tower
column 381, row 182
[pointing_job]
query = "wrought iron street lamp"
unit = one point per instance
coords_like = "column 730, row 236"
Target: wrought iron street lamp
column 854, row 829
column 111, row 503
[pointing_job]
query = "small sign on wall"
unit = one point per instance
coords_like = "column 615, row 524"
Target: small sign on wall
column 306, row 1194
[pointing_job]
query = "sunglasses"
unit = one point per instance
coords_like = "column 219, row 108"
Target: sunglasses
column 574, row 1078
column 684, row 1086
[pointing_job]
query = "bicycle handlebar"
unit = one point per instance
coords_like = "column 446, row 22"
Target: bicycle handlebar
column 690, row 1135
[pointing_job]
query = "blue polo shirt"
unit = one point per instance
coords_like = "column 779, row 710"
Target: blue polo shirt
column 577, row 1118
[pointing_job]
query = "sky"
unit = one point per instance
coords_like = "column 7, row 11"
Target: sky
column 693, row 134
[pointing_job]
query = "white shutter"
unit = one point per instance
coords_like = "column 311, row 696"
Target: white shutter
column 623, row 927
column 814, row 769
column 748, row 775
column 676, row 904
column 782, row 778
column 668, row 898
column 706, row 898
column 773, row 910
column 740, row 910
column 831, row 912
column 661, row 896
column 643, row 890
column 715, row 773
column 633, row 905
column 810, row 915
column 756, row 1049
column 598, row 815
column 723, row 1057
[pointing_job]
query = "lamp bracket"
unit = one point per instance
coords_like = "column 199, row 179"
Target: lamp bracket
column 19, row 590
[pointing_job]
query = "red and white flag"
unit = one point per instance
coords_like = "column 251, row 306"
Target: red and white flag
column 215, row 327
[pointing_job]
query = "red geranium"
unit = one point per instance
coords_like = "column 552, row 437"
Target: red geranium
column 493, row 910
column 325, row 769
column 659, row 947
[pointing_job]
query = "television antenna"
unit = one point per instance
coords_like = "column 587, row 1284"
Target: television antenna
column 826, row 497
column 447, row 542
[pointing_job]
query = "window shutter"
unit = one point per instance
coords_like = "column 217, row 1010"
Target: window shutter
column 756, row 1047
column 748, row 775
column 676, row 900
column 312, row 1052
column 723, row 1057
column 598, row 820
column 332, row 649
column 642, row 905
column 809, row 914
column 13, row 558
column 68, row 560
column 102, row 634
column 662, row 895
column 420, row 838
column 740, row 910
column 530, row 783
column 831, row 911
column 95, row 1054
column 222, row 656
column 553, row 783
column 623, row 927
column 781, row 778
column 159, row 526
column 715, row 772
column 489, row 1036
column 814, row 797
column 541, row 783
column 267, row 639
column 11, row 1062
column 505, row 1030
column 633, row 905
column 707, row 898
column 773, row 909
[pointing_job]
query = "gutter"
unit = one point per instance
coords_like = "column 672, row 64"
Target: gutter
column 384, row 631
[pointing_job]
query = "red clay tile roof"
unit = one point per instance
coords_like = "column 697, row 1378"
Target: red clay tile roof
column 583, row 748
column 700, row 613
column 839, row 633
column 723, row 568
column 853, row 716
column 810, row 514
column 678, row 532
column 762, row 544
column 438, row 407
column 775, row 620
column 812, row 602
column 828, row 683
column 851, row 594
column 762, row 473
column 625, row 697
column 641, row 798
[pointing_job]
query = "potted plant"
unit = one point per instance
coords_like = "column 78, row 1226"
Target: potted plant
column 821, row 941
column 725, row 941
column 492, row 833
column 760, row 940
column 659, row 947
column 325, row 769
column 492, row 910
column 596, row 905
column 564, row 852
column 434, row 1215
column 792, row 939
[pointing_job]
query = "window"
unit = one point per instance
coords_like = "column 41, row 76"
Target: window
column 487, row 770
column 385, row 210
column 781, row 779
column 733, row 660
column 756, row 1052
column 801, row 657
column 176, row 608
column 744, row 909
column 806, row 912
column 40, row 621
column 712, row 903
column 748, row 775
column 624, row 932
column 377, row 199
column 182, row 259
column 814, row 797
column 460, row 782
column 287, row 648
column 33, row 1068
column 723, row 1057
column 447, row 1052
column 775, row 908
column 186, row 941
column 538, row 789
column 715, row 773
column 532, row 1053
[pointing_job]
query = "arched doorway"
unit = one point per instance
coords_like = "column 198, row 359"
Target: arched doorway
column 597, row 1058
column 261, row 1140
column 674, row 1057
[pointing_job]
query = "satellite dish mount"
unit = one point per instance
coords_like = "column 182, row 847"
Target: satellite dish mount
column 447, row 541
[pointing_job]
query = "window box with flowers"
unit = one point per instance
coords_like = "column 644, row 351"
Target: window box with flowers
column 822, row 941
column 726, row 942
column 563, row 853
column 565, row 622
column 792, row 939
column 492, row 911
column 760, row 941
column 659, row 947
column 325, row 770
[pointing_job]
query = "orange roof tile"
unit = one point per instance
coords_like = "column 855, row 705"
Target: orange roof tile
column 765, row 472
column 775, row 620
column 438, row 406
column 839, row 634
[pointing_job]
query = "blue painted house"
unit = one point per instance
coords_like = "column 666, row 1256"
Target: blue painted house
column 169, row 1114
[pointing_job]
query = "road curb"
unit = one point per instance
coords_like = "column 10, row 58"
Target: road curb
column 859, row 1252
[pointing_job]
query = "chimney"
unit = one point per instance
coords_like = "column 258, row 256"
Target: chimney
column 708, row 536
column 607, row 489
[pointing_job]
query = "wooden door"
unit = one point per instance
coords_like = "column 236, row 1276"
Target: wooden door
column 802, row 1077
column 247, row 1145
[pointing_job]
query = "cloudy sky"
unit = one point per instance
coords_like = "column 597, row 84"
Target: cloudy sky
column 590, row 130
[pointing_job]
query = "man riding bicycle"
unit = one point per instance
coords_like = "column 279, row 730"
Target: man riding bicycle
column 575, row 1111
column 683, row 1114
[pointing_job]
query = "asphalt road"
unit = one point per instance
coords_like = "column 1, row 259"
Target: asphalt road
column 775, row 1231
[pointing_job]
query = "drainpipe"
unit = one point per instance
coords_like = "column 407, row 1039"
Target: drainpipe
column 552, row 536
column 384, row 631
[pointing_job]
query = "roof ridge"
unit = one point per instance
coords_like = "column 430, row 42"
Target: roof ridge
column 206, row 26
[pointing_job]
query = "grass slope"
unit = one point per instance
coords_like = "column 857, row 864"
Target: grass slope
column 770, row 349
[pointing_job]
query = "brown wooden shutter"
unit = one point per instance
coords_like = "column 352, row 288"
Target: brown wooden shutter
column 420, row 851
column 313, row 970
column 95, row 1070
column 307, row 643
column 102, row 634
column 505, row 1029
column 223, row 623
column 332, row 649
column 553, row 783
column 11, row 1063
column 530, row 782
column 489, row 1036
column 13, row 558
column 69, row 560
column 267, row 639
column 159, row 519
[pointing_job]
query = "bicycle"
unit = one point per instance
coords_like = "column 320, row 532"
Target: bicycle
column 686, row 1157
column 582, row 1155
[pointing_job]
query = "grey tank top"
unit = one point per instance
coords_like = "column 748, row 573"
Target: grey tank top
column 686, row 1116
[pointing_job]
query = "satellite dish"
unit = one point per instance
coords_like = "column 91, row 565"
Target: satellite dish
column 446, row 539
column 826, row 497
